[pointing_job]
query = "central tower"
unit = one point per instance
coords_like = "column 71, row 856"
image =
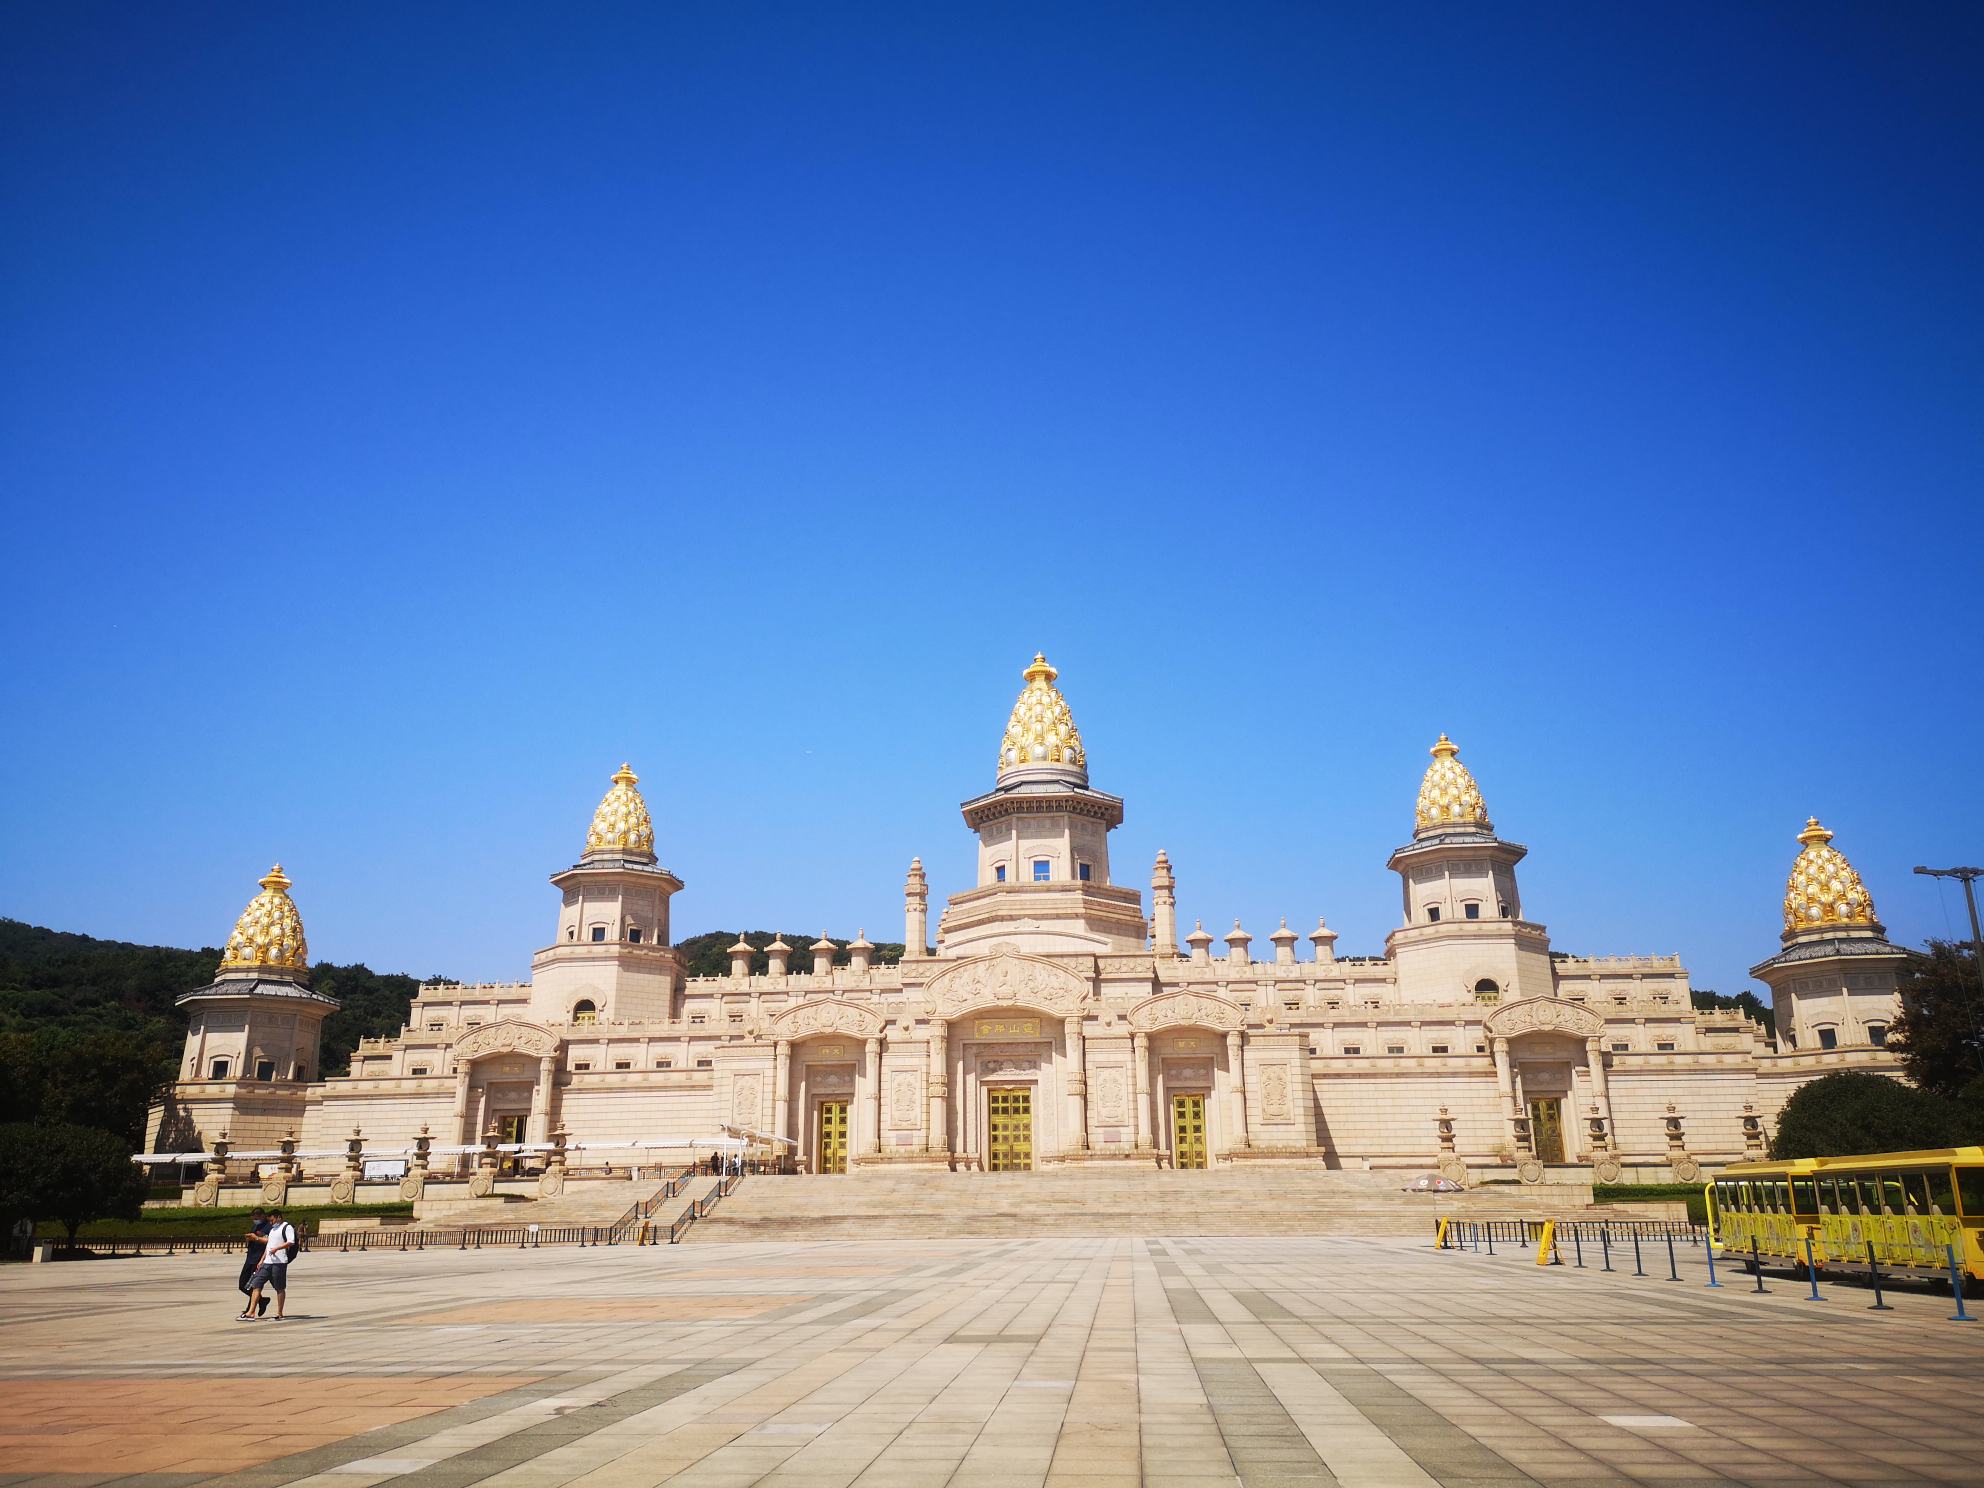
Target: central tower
column 1043, row 843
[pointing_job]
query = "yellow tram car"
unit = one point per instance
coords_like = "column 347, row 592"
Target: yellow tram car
column 1912, row 1207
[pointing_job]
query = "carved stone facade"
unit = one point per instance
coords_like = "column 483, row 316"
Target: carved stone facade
column 1469, row 1045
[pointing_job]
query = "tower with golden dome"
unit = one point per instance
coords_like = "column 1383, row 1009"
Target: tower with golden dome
column 1834, row 984
column 1043, row 841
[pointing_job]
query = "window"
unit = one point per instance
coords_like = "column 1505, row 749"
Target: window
column 301, row 1074
column 217, row 1070
column 1664, row 1046
column 1353, row 1048
column 1442, row 1049
column 418, row 1069
column 664, row 1064
column 625, row 1064
column 581, row 1064
column 1504, row 911
column 599, row 932
column 473, row 1023
column 1828, row 1038
column 1040, row 870
column 1487, row 990
column 585, row 1011
column 705, row 1064
column 1970, row 1190
column 1622, row 1048
column 435, row 1025
column 1481, row 1048
column 1291, row 1004
column 571, row 932
column 1082, row 871
column 1432, row 911
column 697, row 1019
column 1470, row 910
column 1394, row 1048
column 999, row 873
column 634, row 934
column 1877, row 1035
column 265, row 1069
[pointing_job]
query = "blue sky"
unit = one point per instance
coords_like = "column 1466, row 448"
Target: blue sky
column 406, row 415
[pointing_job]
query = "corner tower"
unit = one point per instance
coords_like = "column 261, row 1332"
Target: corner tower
column 1043, row 842
column 1464, row 936
column 1834, row 985
column 611, row 960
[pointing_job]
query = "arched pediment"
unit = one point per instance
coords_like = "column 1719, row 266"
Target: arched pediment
column 1544, row 1015
column 1007, row 980
column 827, row 1015
column 509, row 1036
column 1185, row 1010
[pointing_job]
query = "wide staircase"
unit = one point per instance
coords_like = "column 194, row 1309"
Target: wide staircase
column 1255, row 1200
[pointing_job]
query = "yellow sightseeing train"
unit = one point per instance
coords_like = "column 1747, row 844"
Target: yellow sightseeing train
column 1912, row 1207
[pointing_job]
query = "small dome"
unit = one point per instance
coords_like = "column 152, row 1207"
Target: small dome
column 1448, row 796
column 621, row 825
column 1824, row 890
column 1041, row 736
column 269, row 935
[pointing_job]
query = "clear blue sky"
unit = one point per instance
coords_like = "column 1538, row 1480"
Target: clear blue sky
column 408, row 413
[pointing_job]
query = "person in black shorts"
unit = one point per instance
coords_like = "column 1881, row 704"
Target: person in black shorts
column 278, row 1248
column 257, row 1238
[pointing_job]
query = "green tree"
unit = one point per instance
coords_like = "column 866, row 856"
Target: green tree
column 1850, row 1113
column 1940, row 1033
column 71, row 1174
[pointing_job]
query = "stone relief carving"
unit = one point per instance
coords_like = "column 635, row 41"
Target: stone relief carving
column 1184, row 1010
column 1274, row 1092
column 744, row 1102
column 1007, row 981
column 1110, row 1094
column 989, row 1068
column 1197, row 1072
column 506, row 1037
column 906, row 1098
column 827, row 1080
column 1544, row 1015
column 827, row 1015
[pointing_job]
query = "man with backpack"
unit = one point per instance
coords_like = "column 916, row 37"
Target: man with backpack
column 279, row 1250
column 257, row 1237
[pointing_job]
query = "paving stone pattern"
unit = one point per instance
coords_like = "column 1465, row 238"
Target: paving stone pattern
column 1199, row 1361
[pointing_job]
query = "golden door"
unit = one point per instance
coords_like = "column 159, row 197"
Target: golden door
column 511, row 1129
column 1546, row 1129
column 1188, row 1131
column 833, row 1136
column 1009, row 1131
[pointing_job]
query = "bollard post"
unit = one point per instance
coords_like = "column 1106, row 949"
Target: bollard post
column 1474, row 1232
column 1605, row 1244
column 1709, row 1251
column 1491, row 1237
column 1577, row 1244
column 1673, row 1270
column 1638, row 1269
column 1956, row 1288
column 1874, row 1273
column 1812, row 1272
column 1756, row 1264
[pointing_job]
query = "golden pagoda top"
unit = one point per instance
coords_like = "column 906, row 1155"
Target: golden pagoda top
column 1448, row 796
column 1824, row 891
column 269, row 935
column 621, row 824
column 1041, row 734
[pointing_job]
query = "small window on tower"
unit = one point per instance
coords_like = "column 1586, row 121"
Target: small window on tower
column 999, row 873
column 634, row 934
column 585, row 1011
column 1353, row 1048
column 1503, row 910
column 1877, row 1035
column 599, row 932
column 265, row 1069
column 217, row 1070
column 1828, row 1038
column 625, row 1064
column 1083, row 871
column 1442, row 1048
column 1432, row 911
column 1486, row 990
column 571, row 932
column 418, row 1069
column 1040, row 870
column 1663, row 1046
column 1471, row 910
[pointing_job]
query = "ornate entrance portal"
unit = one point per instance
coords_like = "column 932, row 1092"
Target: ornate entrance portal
column 832, row 1143
column 1009, row 1130
column 1546, row 1126
column 1188, row 1131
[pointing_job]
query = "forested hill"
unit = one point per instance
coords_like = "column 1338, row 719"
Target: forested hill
column 88, row 1030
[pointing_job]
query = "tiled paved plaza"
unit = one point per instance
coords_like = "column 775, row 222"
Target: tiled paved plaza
column 973, row 1363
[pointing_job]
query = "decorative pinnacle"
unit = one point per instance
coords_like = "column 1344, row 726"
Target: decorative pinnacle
column 1040, row 669
column 275, row 878
column 625, row 775
column 1813, row 833
column 1444, row 749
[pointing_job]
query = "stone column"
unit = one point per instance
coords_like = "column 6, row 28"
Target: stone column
column 540, row 1099
column 871, row 1101
column 1140, row 1070
column 1594, row 1057
column 462, row 1129
column 940, row 1088
column 1077, row 1083
column 1164, row 909
column 1505, row 1083
column 915, row 912
column 781, row 1094
column 1237, row 1075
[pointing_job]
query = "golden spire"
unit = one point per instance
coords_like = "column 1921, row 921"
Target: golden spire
column 269, row 934
column 1448, row 796
column 621, row 825
column 1824, row 890
column 1042, row 733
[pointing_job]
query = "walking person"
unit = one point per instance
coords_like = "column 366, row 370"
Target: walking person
column 257, row 1237
column 273, row 1273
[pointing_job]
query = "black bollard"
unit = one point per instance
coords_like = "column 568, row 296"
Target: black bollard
column 1605, row 1244
column 1577, row 1244
column 1673, row 1269
column 1874, row 1274
column 1756, row 1264
column 1638, row 1269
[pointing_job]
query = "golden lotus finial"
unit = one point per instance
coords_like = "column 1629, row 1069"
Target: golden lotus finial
column 1445, row 748
column 1824, row 890
column 625, row 775
column 275, row 878
column 1041, row 669
column 268, row 937
column 1041, row 732
column 621, row 824
column 1448, row 795
column 1814, row 832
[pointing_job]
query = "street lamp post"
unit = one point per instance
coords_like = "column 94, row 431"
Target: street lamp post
column 1968, row 878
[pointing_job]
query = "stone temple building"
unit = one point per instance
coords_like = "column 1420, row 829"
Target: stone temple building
column 1056, row 1018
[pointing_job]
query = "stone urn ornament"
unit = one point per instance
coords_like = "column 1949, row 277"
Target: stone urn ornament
column 413, row 1185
